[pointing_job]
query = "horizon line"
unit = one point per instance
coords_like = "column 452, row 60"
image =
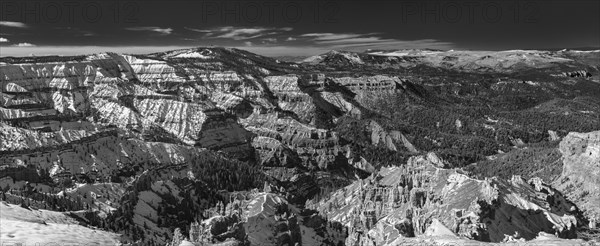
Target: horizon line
column 269, row 51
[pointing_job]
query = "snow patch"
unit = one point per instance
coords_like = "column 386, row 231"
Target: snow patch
column 192, row 55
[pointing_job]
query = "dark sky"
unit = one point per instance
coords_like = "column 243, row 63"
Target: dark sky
column 303, row 27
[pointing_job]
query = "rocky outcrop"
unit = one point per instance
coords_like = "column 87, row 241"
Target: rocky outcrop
column 153, row 72
column 317, row 148
column 273, row 153
column 14, row 139
column 264, row 219
column 404, row 201
column 553, row 136
column 291, row 98
column 269, row 211
column 379, row 136
column 577, row 74
column 370, row 83
column 580, row 178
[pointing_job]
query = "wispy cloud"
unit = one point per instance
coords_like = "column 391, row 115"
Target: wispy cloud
column 240, row 33
column 269, row 36
column 3, row 40
column 163, row 31
column 24, row 45
column 331, row 36
column 269, row 40
column 285, row 50
column 13, row 24
column 355, row 41
column 75, row 31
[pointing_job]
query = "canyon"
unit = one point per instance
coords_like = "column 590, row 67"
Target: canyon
column 221, row 146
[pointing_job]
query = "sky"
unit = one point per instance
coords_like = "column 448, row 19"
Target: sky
column 294, row 28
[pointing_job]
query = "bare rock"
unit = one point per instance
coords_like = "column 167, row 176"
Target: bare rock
column 484, row 210
column 437, row 161
column 553, row 136
column 437, row 229
column 271, row 152
column 399, row 137
column 580, row 179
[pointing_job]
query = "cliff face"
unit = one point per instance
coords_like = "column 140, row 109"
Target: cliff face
column 580, row 178
column 202, row 98
column 153, row 120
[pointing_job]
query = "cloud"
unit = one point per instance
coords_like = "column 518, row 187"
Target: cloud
column 240, row 33
column 163, row 31
column 3, row 40
column 331, row 36
column 275, row 51
column 290, row 39
column 269, row 40
column 196, row 30
column 355, row 41
column 24, row 45
column 75, row 31
column 324, row 37
column 13, row 24
column 248, row 43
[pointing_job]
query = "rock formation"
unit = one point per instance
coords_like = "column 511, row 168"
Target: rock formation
column 265, row 219
column 580, row 178
column 406, row 201
column 352, row 148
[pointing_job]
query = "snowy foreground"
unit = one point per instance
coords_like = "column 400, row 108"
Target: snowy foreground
column 43, row 227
